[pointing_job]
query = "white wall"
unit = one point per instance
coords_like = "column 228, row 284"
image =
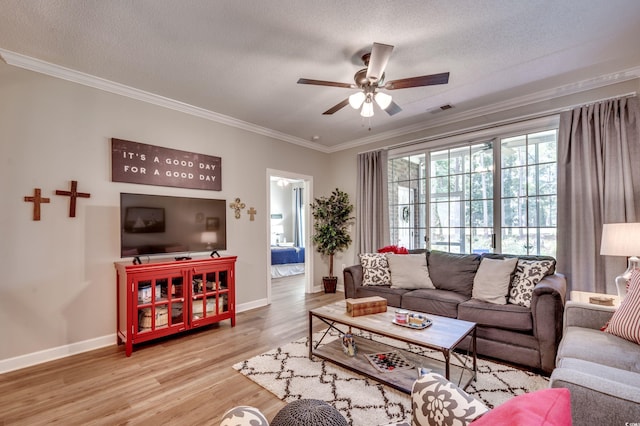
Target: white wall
column 58, row 279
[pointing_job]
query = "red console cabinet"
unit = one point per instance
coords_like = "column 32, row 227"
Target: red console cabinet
column 161, row 298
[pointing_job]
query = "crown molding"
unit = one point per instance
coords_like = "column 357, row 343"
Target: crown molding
column 522, row 101
column 53, row 70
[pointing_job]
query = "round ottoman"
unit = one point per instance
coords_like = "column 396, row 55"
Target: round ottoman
column 308, row 412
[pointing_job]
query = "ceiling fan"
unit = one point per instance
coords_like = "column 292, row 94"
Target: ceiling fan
column 371, row 79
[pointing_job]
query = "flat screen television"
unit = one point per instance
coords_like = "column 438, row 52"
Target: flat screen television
column 159, row 224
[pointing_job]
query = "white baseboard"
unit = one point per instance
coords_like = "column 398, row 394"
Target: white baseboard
column 27, row 360
column 251, row 305
column 22, row 361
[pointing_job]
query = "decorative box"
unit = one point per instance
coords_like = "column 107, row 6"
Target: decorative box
column 145, row 318
column 144, row 293
column 366, row 306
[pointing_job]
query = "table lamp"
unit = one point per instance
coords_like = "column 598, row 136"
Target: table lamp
column 622, row 239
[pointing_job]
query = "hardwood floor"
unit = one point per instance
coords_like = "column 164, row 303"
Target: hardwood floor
column 185, row 380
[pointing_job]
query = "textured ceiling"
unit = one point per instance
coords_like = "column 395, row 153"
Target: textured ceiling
column 241, row 59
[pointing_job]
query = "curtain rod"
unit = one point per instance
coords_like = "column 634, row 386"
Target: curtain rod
column 599, row 101
column 497, row 124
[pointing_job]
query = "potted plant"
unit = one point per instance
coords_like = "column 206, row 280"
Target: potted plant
column 332, row 216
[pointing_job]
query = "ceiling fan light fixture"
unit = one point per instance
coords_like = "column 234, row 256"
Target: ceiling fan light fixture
column 367, row 109
column 383, row 100
column 356, row 100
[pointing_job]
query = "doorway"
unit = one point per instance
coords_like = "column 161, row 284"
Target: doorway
column 288, row 229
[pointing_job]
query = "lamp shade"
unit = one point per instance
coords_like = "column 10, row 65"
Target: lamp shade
column 209, row 237
column 356, row 100
column 620, row 239
column 383, row 100
column 367, row 109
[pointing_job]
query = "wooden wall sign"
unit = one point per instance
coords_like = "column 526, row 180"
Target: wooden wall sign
column 134, row 162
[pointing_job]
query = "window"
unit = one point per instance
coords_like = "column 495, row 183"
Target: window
column 461, row 199
column 496, row 195
column 528, row 199
column 407, row 200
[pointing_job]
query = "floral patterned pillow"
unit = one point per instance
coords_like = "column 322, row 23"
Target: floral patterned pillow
column 437, row 401
column 528, row 274
column 375, row 269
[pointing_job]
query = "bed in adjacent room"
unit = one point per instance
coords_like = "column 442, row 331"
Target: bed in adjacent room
column 286, row 261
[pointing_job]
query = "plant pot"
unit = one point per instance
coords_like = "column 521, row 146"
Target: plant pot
column 330, row 284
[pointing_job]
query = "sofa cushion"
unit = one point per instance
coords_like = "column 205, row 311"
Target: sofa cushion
column 393, row 295
column 599, row 347
column 453, row 271
column 625, row 321
column 510, row 317
column 375, row 269
column 601, row 372
column 491, row 282
column 409, row 271
column 433, row 301
column 549, row 407
column 437, row 401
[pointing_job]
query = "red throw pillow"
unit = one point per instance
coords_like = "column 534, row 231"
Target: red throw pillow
column 549, row 407
column 393, row 249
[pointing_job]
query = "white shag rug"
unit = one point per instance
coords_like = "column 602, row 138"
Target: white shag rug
column 288, row 373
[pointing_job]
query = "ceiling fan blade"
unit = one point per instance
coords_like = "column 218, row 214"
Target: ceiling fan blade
column 326, row 83
column 337, row 107
column 425, row 80
column 380, row 54
column 393, row 108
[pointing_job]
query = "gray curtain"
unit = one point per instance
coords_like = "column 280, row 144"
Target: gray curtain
column 598, row 183
column 372, row 213
column 298, row 226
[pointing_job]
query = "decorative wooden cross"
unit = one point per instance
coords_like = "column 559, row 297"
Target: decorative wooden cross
column 36, row 200
column 237, row 205
column 73, row 194
column 252, row 212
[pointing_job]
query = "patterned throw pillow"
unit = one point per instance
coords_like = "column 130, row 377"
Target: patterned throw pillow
column 375, row 269
column 437, row 401
column 528, row 274
column 244, row 416
column 625, row 321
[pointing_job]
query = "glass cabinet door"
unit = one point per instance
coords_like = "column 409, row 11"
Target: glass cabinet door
column 210, row 294
column 160, row 303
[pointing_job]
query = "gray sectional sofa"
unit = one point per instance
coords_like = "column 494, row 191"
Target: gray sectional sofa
column 528, row 336
column 602, row 371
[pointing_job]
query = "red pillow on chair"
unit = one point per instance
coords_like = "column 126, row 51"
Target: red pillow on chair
column 549, row 407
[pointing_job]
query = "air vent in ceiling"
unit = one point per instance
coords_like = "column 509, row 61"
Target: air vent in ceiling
column 441, row 108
